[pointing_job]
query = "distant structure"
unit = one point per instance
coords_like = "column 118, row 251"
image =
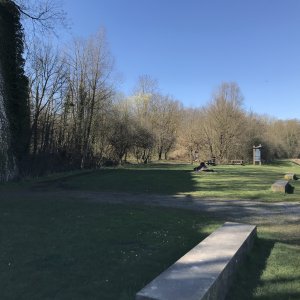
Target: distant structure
column 257, row 154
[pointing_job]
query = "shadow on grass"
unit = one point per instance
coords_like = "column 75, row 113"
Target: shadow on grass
column 249, row 282
column 226, row 182
column 248, row 276
column 281, row 163
column 159, row 181
column 59, row 249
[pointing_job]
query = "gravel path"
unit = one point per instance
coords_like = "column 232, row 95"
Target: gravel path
column 233, row 209
column 241, row 210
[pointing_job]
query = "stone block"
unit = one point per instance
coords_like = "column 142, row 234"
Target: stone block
column 290, row 176
column 282, row 186
column 205, row 272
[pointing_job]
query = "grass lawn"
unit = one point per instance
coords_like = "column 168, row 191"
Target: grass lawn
column 247, row 182
column 64, row 248
column 227, row 182
column 58, row 249
column 272, row 269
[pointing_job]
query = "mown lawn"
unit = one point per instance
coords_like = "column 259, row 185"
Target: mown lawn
column 64, row 248
column 247, row 182
column 272, row 269
column 59, row 249
column 227, row 182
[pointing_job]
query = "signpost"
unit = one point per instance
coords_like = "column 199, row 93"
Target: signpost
column 257, row 154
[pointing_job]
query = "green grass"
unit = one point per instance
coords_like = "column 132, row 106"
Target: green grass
column 58, row 249
column 272, row 269
column 246, row 182
column 64, row 248
column 227, row 182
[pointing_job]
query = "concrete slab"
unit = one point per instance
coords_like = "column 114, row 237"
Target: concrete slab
column 206, row 271
column 280, row 186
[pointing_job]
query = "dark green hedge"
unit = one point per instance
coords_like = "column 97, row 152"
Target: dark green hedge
column 15, row 82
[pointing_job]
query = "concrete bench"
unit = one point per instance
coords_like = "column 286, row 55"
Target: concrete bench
column 282, row 186
column 207, row 270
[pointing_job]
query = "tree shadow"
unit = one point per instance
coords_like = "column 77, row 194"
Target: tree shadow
column 163, row 181
column 248, row 277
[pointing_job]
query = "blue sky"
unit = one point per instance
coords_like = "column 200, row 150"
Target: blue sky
column 192, row 46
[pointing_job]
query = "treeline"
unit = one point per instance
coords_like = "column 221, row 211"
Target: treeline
column 70, row 115
column 224, row 129
column 79, row 120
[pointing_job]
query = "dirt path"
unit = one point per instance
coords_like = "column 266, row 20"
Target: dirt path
column 233, row 209
column 241, row 210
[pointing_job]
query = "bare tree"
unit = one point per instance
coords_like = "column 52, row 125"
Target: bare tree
column 41, row 16
column 121, row 137
column 47, row 76
column 195, row 135
column 146, row 85
column 90, row 88
column 226, row 118
column 165, row 118
column 284, row 135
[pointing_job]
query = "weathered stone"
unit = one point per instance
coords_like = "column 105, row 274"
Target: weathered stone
column 282, row 186
column 206, row 271
column 290, row 176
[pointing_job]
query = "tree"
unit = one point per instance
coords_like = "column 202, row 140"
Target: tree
column 195, row 135
column 143, row 143
column 15, row 83
column 40, row 17
column 166, row 120
column 284, row 135
column 146, row 85
column 47, row 78
column 90, row 87
column 142, row 107
column 121, row 136
column 226, row 118
column 157, row 116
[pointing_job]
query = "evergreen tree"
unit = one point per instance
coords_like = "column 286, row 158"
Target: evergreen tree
column 15, row 82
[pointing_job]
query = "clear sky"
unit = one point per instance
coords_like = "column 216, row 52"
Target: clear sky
column 192, row 46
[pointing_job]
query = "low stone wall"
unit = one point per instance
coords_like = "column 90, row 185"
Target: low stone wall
column 205, row 272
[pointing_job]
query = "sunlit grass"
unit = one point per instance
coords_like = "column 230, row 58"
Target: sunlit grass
column 245, row 182
column 227, row 182
column 272, row 269
column 281, row 277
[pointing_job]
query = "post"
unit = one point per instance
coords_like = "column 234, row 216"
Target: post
column 257, row 154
